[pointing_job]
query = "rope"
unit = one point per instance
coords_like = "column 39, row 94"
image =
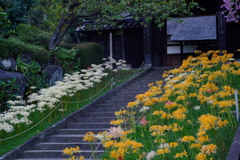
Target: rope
column 111, row 86
column 32, row 126
column 141, row 66
column 93, row 95
column 53, row 111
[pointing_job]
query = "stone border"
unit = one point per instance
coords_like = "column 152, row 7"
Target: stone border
column 41, row 136
column 234, row 151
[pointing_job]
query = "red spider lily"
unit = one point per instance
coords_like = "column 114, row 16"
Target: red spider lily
column 120, row 158
column 143, row 121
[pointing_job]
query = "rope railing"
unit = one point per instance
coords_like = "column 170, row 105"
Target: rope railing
column 32, row 126
column 110, row 82
column 141, row 67
column 60, row 102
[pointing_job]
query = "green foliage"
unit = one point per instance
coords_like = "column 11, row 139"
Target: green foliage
column 14, row 47
column 32, row 35
column 21, row 66
column 17, row 10
column 8, row 91
column 67, row 45
column 89, row 53
column 46, row 15
column 67, row 58
column 4, row 22
column 36, row 79
column 38, row 53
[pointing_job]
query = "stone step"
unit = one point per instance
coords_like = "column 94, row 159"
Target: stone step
column 56, row 154
column 65, row 138
column 105, row 109
column 97, row 119
column 98, row 114
column 110, row 105
column 77, row 131
column 139, row 88
column 61, row 146
column 88, row 125
column 135, row 89
column 126, row 94
column 119, row 100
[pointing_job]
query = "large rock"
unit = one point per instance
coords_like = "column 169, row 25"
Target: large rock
column 8, row 64
column 20, row 80
column 26, row 58
column 53, row 73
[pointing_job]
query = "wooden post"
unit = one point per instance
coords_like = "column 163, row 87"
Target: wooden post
column 111, row 44
column 123, row 47
column 147, row 45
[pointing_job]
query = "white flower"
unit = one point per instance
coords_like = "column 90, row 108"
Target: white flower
column 144, row 109
column 197, row 107
column 167, row 79
column 164, row 145
column 151, row 155
column 6, row 127
column 25, row 114
column 32, row 87
column 103, row 137
column 115, row 132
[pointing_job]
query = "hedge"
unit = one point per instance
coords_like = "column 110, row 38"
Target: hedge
column 89, row 53
column 14, row 47
column 67, row 45
column 32, row 35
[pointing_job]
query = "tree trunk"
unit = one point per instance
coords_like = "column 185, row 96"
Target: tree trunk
column 60, row 31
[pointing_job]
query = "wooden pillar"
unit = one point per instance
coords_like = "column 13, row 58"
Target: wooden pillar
column 123, row 47
column 159, row 45
column 111, row 44
column 221, row 30
column 181, row 49
column 147, row 45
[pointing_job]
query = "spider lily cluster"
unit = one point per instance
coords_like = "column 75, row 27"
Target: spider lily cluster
column 74, row 87
column 189, row 115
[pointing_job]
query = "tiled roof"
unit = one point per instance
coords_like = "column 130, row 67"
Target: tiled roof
column 192, row 29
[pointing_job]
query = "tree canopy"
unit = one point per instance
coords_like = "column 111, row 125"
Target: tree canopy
column 17, row 10
column 112, row 11
column 57, row 16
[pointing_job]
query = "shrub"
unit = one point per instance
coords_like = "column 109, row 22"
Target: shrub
column 14, row 47
column 36, row 78
column 32, row 35
column 8, row 91
column 89, row 53
column 38, row 53
column 11, row 48
column 67, row 45
column 67, row 58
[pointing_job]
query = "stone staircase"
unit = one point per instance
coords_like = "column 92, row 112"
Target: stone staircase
column 96, row 118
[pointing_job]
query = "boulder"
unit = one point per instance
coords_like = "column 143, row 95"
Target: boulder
column 26, row 58
column 21, row 81
column 53, row 73
column 7, row 64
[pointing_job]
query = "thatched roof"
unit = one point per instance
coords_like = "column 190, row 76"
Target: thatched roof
column 192, row 29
